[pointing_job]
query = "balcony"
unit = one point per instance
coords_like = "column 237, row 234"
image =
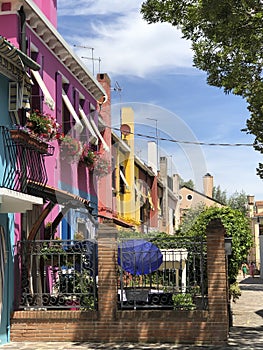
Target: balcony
column 28, row 141
column 23, row 156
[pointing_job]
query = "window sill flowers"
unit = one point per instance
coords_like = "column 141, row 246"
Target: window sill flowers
column 74, row 151
column 42, row 125
column 94, row 161
column 88, row 156
column 101, row 167
column 70, row 148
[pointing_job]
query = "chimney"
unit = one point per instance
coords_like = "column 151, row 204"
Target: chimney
column 250, row 199
column 152, row 156
column 208, row 182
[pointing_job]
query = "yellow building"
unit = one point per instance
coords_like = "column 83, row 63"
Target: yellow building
column 135, row 184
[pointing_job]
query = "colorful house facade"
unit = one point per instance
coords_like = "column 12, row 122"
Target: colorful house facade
column 14, row 197
column 143, row 197
column 57, row 191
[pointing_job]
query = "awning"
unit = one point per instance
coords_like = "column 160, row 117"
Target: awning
column 47, row 97
column 78, row 126
column 117, row 221
column 58, row 196
column 93, row 137
column 124, row 179
column 17, row 202
column 16, row 56
column 105, row 146
column 121, row 223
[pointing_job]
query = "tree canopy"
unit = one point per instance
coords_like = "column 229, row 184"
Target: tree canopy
column 219, row 195
column 227, row 41
column 236, row 224
column 189, row 183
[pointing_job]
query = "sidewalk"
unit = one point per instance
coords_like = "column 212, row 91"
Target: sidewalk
column 247, row 332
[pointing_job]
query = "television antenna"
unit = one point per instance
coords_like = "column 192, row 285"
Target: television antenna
column 92, row 58
column 118, row 89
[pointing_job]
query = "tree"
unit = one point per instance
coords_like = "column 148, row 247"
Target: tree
column 219, row 195
column 189, row 183
column 236, row 225
column 238, row 201
column 190, row 217
column 227, row 39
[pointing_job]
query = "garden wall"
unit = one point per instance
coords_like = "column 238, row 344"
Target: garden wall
column 109, row 324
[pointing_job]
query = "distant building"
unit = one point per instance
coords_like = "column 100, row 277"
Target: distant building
column 190, row 198
column 255, row 212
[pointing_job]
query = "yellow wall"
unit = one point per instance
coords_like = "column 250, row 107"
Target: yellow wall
column 126, row 206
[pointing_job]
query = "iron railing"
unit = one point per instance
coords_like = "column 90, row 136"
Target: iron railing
column 24, row 158
column 180, row 282
column 57, row 274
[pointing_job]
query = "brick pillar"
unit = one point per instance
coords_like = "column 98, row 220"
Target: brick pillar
column 217, row 281
column 107, row 278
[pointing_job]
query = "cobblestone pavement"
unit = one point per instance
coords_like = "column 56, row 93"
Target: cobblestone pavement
column 246, row 333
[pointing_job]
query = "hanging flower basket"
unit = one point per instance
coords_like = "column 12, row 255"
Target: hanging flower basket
column 88, row 156
column 94, row 161
column 101, row 167
column 42, row 125
column 70, row 149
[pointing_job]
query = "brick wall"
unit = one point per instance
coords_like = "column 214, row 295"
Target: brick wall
column 109, row 324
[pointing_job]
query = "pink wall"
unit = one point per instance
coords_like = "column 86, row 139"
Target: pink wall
column 105, row 183
column 49, row 8
column 9, row 28
column 68, row 179
column 51, row 66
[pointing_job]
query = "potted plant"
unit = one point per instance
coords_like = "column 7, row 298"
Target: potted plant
column 101, row 166
column 88, row 156
column 42, row 125
column 70, row 148
column 183, row 301
column 53, row 253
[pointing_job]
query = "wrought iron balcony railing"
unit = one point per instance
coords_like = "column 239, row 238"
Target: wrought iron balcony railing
column 23, row 159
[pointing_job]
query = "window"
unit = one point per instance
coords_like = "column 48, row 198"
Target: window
column 122, row 183
column 189, row 197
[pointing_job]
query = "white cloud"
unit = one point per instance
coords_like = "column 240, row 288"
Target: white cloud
column 97, row 7
column 127, row 44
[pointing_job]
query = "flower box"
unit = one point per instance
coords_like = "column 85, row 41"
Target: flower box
column 25, row 139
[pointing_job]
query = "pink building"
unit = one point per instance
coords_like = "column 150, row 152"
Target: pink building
column 66, row 90
column 62, row 174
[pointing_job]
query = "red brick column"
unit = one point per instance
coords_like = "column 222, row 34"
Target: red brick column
column 217, row 281
column 107, row 277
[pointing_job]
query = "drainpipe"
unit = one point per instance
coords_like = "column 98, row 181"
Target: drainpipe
column 23, row 43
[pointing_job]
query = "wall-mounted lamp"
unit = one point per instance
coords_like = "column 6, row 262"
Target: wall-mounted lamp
column 228, row 245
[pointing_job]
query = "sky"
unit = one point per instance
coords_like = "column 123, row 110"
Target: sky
column 151, row 71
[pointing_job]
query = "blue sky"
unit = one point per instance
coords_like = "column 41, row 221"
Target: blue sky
column 153, row 66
